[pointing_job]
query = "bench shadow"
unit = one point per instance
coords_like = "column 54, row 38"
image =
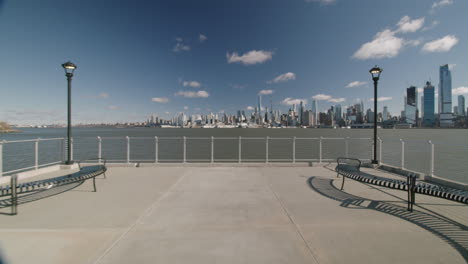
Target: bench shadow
column 41, row 194
column 452, row 232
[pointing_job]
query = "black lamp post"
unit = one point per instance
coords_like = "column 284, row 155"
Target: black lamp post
column 69, row 68
column 375, row 72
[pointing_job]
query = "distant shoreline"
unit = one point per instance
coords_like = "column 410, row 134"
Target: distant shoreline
column 10, row 131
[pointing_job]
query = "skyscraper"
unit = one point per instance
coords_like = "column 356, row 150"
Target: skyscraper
column 338, row 115
column 385, row 114
column 445, row 96
column 315, row 111
column 461, row 105
column 301, row 112
column 429, row 105
column 259, row 117
column 411, row 105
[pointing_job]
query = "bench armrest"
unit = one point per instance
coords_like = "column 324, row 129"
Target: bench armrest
column 349, row 161
column 99, row 160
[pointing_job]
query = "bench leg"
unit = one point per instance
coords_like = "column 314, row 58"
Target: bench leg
column 337, row 174
column 104, row 175
column 342, row 184
column 94, row 183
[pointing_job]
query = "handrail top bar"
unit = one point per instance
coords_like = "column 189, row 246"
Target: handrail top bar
column 30, row 140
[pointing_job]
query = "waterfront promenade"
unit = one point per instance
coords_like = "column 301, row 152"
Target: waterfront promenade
column 233, row 214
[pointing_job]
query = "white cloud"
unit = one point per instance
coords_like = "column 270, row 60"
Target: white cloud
column 250, row 108
column 160, row 99
column 355, row 84
column 112, row 107
column 460, row 90
column 186, row 107
column 452, row 66
column 337, row 100
column 291, row 101
column 192, row 94
column 321, row 97
column 323, row 2
column 384, row 45
column 250, row 58
column 202, row 38
column 179, row 46
column 381, row 99
column 191, row 84
column 103, row 95
column 441, row 3
column 441, row 45
column 328, row 98
column 283, row 77
column 406, row 25
column 265, row 92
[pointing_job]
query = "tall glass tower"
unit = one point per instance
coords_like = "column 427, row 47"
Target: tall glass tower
column 429, row 105
column 411, row 105
column 445, row 97
column 461, row 105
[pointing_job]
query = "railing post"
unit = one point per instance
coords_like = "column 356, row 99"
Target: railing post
column 14, row 196
column 156, row 150
column 99, row 148
column 36, row 154
column 266, row 149
column 380, row 150
column 432, row 157
column 128, row 149
column 347, row 146
column 402, row 153
column 240, row 149
column 1, row 158
column 320, row 150
column 185, row 149
column 294, row 150
column 71, row 148
column 212, row 149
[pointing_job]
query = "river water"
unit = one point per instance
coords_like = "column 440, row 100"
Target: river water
column 450, row 145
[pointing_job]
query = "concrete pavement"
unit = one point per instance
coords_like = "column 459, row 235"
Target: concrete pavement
column 233, row 215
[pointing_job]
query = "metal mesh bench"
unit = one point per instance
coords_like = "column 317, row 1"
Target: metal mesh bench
column 40, row 188
column 350, row 168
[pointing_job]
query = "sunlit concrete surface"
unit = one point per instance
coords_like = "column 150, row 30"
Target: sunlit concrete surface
column 233, row 215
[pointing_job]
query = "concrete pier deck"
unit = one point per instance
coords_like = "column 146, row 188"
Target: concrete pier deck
column 183, row 214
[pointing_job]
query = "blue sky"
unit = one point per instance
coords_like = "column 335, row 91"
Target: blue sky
column 136, row 58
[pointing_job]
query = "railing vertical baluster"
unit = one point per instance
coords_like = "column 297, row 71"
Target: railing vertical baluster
column 432, row 157
column 266, row 149
column 402, row 153
column 71, row 148
column 185, row 149
column 156, row 149
column 240, row 149
column 320, row 150
column 99, row 148
column 380, row 150
column 128, row 149
column 14, row 196
column 294, row 150
column 62, row 150
column 1, row 158
column 36, row 154
column 212, row 149
column 347, row 147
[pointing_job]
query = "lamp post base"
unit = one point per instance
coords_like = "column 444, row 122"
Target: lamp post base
column 69, row 162
column 375, row 162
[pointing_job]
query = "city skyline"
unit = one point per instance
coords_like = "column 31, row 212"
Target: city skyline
column 171, row 57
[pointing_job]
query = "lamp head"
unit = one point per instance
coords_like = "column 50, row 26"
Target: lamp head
column 69, row 68
column 375, row 72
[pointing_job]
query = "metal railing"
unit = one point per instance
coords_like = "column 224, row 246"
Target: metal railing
column 219, row 149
